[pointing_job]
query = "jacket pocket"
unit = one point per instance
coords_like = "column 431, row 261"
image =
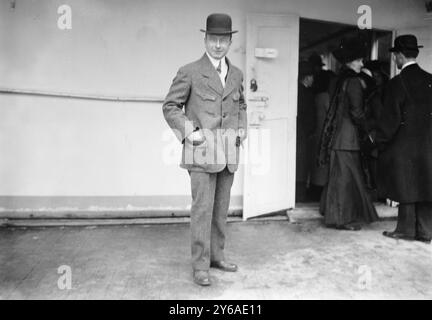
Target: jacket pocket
column 206, row 96
column 200, row 155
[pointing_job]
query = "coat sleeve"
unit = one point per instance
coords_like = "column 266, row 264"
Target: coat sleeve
column 375, row 107
column 355, row 95
column 242, row 113
column 390, row 116
column 174, row 103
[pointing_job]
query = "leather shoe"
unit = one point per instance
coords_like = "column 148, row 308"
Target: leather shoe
column 397, row 235
column 201, row 278
column 225, row 266
column 423, row 239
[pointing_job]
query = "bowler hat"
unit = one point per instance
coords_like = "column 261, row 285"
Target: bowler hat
column 404, row 43
column 350, row 49
column 219, row 23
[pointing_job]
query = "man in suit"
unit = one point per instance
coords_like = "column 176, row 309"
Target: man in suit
column 404, row 135
column 211, row 128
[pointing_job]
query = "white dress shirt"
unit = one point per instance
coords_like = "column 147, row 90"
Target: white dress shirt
column 408, row 64
column 224, row 67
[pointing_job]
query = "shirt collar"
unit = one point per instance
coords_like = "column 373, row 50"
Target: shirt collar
column 408, row 64
column 215, row 62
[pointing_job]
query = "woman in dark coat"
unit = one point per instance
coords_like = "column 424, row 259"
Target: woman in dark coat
column 345, row 202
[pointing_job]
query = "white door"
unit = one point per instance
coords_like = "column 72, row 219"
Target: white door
column 424, row 37
column 272, row 62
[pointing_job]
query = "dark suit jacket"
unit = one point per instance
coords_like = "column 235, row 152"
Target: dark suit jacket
column 306, row 124
column 404, row 135
column 306, row 115
column 218, row 111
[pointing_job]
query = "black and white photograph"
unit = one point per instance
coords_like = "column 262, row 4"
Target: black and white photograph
column 234, row 151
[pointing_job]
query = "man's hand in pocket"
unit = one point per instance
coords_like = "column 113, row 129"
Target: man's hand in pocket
column 196, row 138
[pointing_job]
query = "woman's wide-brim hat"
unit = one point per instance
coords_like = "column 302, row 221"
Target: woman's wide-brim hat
column 406, row 42
column 350, row 49
column 219, row 23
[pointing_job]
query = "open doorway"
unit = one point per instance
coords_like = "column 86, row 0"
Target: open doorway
column 316, row 42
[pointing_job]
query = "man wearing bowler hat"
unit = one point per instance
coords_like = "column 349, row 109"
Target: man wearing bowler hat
column 404, row 135
column 205, row 107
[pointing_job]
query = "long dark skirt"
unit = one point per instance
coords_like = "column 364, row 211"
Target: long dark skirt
column 345, row 199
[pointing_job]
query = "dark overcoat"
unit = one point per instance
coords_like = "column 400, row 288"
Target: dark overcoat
column 351, row 118
column 404, row 135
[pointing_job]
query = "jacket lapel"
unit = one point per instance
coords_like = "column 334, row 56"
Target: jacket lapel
column 231, row 80
column 211, row 75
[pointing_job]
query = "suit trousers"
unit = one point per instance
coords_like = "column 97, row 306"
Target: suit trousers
column 415, row 219
column 210, row 202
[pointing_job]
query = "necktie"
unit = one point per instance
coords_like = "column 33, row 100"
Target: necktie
column 219, row 68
